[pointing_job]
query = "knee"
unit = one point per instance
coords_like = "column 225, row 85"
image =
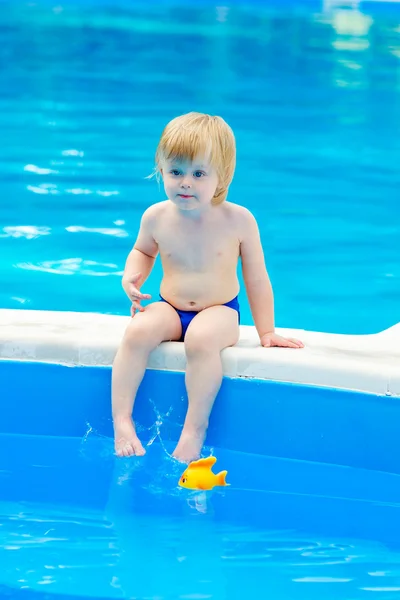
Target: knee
column 199, row 344
column 138, row 334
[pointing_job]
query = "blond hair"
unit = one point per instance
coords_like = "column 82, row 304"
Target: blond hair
column 196, row 134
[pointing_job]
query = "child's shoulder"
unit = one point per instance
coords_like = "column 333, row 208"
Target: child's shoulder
column 154, row 211
column 239, row 212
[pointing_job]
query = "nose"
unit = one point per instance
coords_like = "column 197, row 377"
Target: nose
column 185, row 183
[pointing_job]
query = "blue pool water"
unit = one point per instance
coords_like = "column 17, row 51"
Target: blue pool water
column 312, row 93
column 275, row 529
column 313, row 510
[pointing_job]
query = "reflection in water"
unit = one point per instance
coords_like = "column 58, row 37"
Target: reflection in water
column 51, row 188
column 28, row 232
column 72, row 153
column 103, row 230
column 39, row 170
column 43, row 188
column 71, row 266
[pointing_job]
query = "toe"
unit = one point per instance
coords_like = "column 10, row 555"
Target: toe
column 125, row 448
column 121, row 447
column 138, row 449
column 118, row 450
column 128, row 450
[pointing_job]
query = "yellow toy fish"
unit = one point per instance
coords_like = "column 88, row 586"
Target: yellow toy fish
column 199, row 476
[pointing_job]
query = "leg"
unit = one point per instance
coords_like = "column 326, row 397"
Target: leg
column 159, row 322
column 212, row 330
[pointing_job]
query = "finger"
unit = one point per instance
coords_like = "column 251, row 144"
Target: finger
column 136, row 306
column 139, row 296
column 267, row 343
column 140, row 308
column 287, row 344
column 136, row 294
column 298, row 343
column 134, row 290
column 280, row 343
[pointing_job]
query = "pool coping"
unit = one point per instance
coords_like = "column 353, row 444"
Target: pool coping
column 367, row 363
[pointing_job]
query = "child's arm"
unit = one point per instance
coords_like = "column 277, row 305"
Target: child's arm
column 258, row 285
column 140, row 261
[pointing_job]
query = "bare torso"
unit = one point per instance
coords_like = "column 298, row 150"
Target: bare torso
column 199, row 255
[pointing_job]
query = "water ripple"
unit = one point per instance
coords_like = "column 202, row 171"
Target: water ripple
column 72, row 266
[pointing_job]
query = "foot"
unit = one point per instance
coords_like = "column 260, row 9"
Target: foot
column 189, row 447
column 126, row 441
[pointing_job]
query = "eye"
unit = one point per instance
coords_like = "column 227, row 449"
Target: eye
column 174, row 172
column 184, row 479
column 198, row 174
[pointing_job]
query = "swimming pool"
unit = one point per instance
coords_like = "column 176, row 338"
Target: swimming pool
column 311, row 91
column 309, row 439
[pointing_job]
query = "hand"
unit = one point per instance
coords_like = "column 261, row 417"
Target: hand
column 271, row 339
column 135, row 294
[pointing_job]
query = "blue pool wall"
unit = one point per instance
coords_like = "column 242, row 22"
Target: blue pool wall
column 254, row 416
column 320, row 427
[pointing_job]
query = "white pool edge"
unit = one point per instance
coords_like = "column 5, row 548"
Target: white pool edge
column 368, row 363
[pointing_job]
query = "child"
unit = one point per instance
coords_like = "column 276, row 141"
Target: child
column 200, row 237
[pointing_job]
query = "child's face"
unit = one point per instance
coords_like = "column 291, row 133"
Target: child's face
column 189, row 185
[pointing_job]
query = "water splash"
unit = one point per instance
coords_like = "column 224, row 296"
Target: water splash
column 155, row 428
column 104, row 450
column 88, row 432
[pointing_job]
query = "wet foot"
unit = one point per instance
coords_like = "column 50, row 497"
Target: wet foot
column 189, row 447
column 126, row 441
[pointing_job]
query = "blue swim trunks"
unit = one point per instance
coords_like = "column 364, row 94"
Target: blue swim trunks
column 186, row 316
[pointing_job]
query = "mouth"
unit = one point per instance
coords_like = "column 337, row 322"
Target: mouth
column 185, row 196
